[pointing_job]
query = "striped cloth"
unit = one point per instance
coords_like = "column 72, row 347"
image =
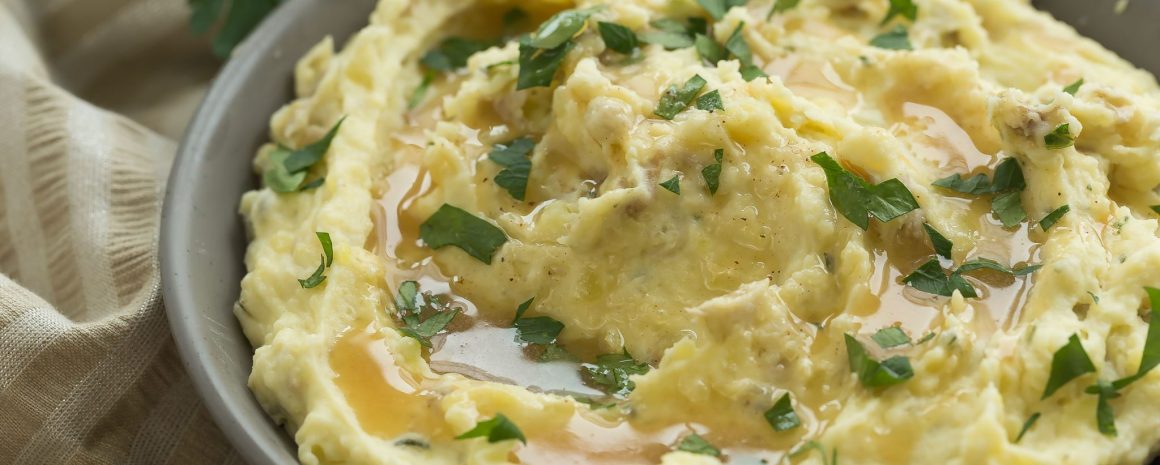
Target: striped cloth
column 93, row 94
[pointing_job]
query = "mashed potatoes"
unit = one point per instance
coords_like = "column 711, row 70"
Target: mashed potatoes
column 693, row 287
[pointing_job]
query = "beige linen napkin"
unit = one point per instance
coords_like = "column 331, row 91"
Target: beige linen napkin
column 93, row 96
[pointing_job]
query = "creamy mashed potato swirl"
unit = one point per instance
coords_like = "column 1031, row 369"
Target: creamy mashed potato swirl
column 734, row 298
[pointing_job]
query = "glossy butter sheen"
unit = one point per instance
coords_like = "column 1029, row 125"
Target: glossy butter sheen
column 737, row 297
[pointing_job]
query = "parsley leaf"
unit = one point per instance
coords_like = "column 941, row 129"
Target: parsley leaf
column 538, row 330
column 559, row 29
column 1069, row 362
column 1027, row 426
column 698, row 445
column 749, row 73
column 420, row 92
column 618, row 38
column 942, row 246
column 1007, row 181
column 709, row 49
column 673, row 185
column 1073, row 87
column 710, row 101
column 712, row 173
column 718, row 8
column 1105, row 415
column 513, row 156
column 611, row 372
column 857, row 199
column 1048, row 221
column 975, row 185
column 1008, row 177
column 522, row 309
column 987, row 264
column 890, row 337
column 1151, row 357
column 677, row 100
column 406, row 300
column 782, row 416
column 538, row 67
column 243, row 17
column 1060, row 138
column 781, row 6
column 738, row 47
column 905, row 8
column 815, row 445
column 327, row 259
column 424, row 330
column 288, row 167
column 894, row 39
column 931, row 278
column 873, row 373
column 453, row 226
column 495, row 430
column 1008, row 206
column 452, row 53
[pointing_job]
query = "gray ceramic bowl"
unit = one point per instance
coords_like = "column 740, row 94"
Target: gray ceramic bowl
column 202, row 238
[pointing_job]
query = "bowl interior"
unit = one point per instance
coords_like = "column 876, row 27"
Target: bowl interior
column 203, row 240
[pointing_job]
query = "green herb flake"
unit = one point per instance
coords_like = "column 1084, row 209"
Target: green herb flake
column 420, row 92
column 975, row 185
column 925, row 338
column 452, row 53
column 1008, row 207
column 612, row 373
column 930, row 278
column 1151, row 356
column 781, row 6
column 1008, row 177
column 538, row 67
column 673, row 185
column 617, row 37
column 555, row 353
column 1060, row 138
column 738, row 47
column 514, row 17
column 718, row 8
column 709, row 49
column 406, row 301
column 424, row 330
column 857, row 199
column 522, row 309
column 782, row 416
column 751, row 72
column 453, row 226
column 288, row 167
column 497, row 429
column 241, row 19
column 514, row 157
column 559, row 29
column 696, row 444
column 710, row 102
column 1069, row 362
column 712, row 173
column 1105, row 415
column 327, row 259
column 1048, row 221
column 873, row 373
column 894, row 39
column 1073, row 87
column 538, row 330
column 890, row 337
column 676, row 100
column 1027, row 426
column 904, row 8
column 942, row 246
column 988, row 264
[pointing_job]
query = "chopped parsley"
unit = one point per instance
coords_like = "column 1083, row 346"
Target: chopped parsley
column 1048, row 221
column 1073, row 87
column 671, row 34
column 1105, row 415
column 288, row 168
column 452, row 53
column 617, row 37
column 905, row 8
column 1069, row 362
column 832, row 459
column 780, row 6
column 931, row 278
column 873, row 373
column 712, row 173
column 673, row 185
column 1006, row 185
column 709, row 49
column 710, row 102
column 1155, row 208
column 514, row 157
column 857, row 199
column 497, row 429
column 410, row 309
column 894, row 39
column 242, row 17
column 560, row 28
column 327, row 259
column 612, row 373
column 782, row 416
column 718, row 8
column 1151, row 357
column 696, row 444
column 925, row 338
column 676, row 100
column 749, row 73
column 451, row 225
column 522, row 309
column 420, row 92
column 942, row 246
column 1027, row 426
column 538, row 66
column 536, row 330
column 738, row 47
column 1060, row 138
column 890, row 337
